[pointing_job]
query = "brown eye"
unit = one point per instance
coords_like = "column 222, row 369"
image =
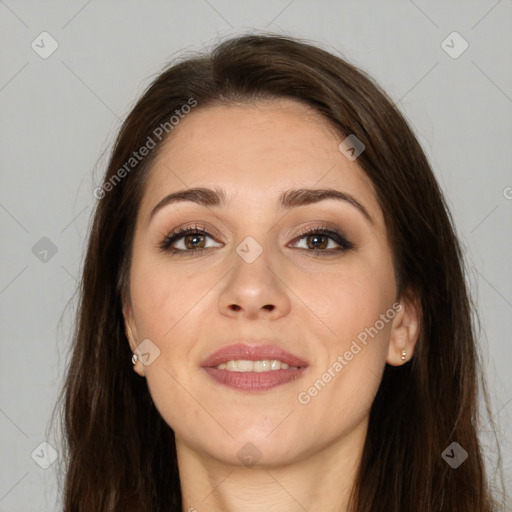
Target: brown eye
column 193, row 240
column 318, row 240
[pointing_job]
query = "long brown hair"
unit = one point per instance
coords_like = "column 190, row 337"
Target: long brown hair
column 119, row 452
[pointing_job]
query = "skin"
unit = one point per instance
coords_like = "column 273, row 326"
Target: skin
column 190, row 306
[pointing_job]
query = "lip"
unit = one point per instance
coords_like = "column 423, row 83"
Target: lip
column 252, row 352
column 253, row 381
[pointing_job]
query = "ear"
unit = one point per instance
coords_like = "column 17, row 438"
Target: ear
column 405, row 329
column 130, row 330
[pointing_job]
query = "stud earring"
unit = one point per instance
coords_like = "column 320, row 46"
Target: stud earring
column 134, row 358
column 404, row 353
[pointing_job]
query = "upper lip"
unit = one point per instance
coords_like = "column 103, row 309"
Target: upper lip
column 252, row 352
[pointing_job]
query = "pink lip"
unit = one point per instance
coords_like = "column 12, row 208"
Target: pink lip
column 253, row 381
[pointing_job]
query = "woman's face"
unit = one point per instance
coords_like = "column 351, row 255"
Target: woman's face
column 258, row 279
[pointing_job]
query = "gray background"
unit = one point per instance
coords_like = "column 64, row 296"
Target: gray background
column 59, row 114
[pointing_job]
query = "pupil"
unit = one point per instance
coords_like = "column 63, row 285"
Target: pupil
column 316, row 238
column 192, row 237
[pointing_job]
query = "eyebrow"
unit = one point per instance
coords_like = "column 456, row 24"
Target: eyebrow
column 287, row 200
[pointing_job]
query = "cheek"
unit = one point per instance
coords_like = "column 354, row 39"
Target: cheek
column 163, row 295
column 168, row 305
column 353, row 301
column 357, row 316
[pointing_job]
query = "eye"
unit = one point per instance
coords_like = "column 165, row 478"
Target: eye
column 317, row 240
column 192, row 240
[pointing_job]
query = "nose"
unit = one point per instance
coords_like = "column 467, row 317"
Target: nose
column 255, row 287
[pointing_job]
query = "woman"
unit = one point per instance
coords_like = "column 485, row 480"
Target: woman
column 272, row 253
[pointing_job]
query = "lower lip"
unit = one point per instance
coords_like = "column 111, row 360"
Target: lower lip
column 254, row 381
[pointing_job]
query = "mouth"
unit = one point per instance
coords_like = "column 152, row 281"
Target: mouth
column 245, row 365
column 250, row 367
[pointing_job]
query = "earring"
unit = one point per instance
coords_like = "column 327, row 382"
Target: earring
column 134, row 358
column 404, row 353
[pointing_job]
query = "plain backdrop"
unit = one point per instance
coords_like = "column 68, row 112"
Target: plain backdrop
column 60, row 111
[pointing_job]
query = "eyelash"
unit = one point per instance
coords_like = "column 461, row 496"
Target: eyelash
column 345, row 245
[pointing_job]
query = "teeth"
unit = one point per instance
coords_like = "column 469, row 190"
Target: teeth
column 275, row 364
column 261, row 366
column 254, row 366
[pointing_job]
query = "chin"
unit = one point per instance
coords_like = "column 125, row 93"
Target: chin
column 256, row 453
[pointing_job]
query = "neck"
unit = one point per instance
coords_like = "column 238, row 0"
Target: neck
column 321, row 481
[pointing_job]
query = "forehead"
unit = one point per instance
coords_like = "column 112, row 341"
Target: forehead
column 254, row 152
